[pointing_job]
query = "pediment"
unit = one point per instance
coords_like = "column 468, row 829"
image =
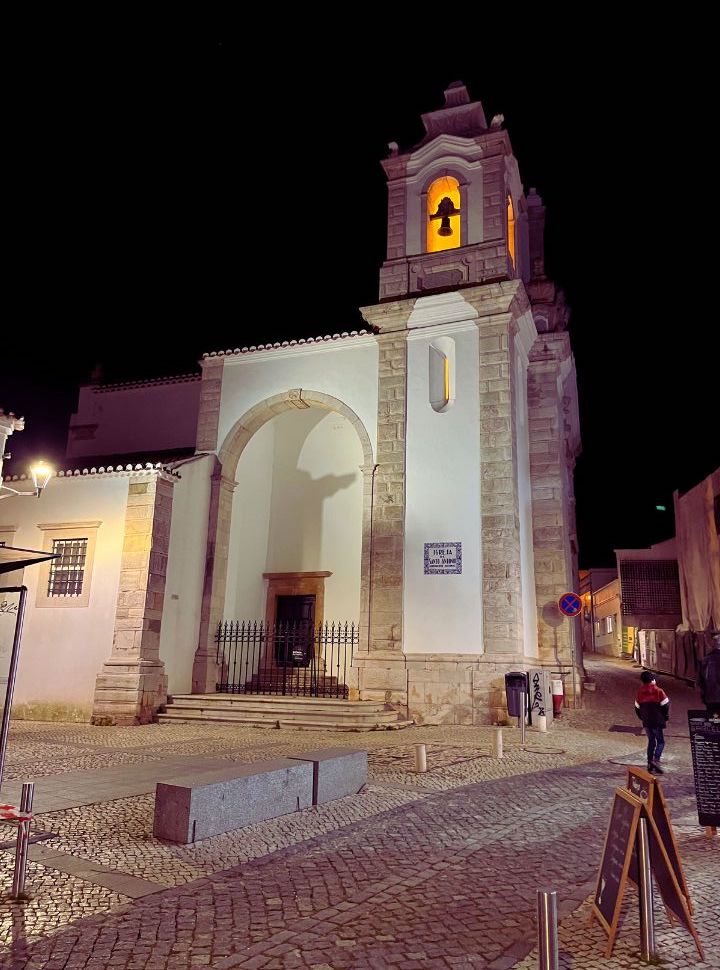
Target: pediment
column 445, row 147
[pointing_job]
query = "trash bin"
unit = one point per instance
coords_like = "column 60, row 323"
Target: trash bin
column 557, row 697
column 516, row 683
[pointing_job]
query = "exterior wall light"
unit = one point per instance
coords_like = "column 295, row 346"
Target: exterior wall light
column 40, row 473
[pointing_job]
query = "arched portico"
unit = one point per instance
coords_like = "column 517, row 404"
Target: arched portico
column 221, row 504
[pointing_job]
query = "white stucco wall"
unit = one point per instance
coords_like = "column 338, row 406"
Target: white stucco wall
column 185, row 573
column 443, row 613
column 345, row 369
column 64, row 648
column 298, row 508
column 121, row 415
column 249, row 532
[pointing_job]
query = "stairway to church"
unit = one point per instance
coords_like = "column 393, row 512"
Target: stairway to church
column 271, row 711
column 300, row 682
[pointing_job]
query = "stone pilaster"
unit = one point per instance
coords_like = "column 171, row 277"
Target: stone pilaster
column 554, row 441
column 132, row 684
column 209, row 408
column 205, row 668
column 380, row 659
column 498, row 309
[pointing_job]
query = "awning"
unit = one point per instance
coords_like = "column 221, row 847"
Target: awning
column 12, row 558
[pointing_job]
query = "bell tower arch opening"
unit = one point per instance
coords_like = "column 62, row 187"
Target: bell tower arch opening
column 443, row 215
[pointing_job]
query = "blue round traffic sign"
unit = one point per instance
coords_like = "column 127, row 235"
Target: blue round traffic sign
column 570, row 604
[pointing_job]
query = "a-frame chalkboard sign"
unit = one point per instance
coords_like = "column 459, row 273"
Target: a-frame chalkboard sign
column 615, row 863
column 648, row 789
column 619, row 866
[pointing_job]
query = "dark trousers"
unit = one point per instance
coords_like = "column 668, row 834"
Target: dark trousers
column 712, row 707
column 656, row 743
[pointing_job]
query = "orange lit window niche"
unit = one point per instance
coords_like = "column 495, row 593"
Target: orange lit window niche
column 511, row 229
column 443, row 214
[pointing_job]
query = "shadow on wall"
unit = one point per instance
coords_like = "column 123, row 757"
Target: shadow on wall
column 296, row 521
column 553, row 618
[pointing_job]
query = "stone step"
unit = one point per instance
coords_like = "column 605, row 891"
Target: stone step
column 283, row 710
column 285, row 714
column 287, row 700
column 316, row 713
column 326, row 723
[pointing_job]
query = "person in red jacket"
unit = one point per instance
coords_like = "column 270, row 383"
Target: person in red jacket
column 652, row 706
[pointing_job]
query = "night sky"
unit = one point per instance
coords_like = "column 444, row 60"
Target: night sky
column 167, row 199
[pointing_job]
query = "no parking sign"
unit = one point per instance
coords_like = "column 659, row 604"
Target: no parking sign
column 570, row 604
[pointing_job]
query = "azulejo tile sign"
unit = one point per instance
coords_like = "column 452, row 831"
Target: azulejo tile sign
column 442, row 558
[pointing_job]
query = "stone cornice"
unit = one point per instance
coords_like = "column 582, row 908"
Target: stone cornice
column 389, row 316
column 441, row 309
column 508, row 296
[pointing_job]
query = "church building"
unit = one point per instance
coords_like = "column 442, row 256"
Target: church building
column 382, row 516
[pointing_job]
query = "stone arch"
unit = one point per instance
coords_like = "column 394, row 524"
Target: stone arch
column 223, row 487
column 258, row 415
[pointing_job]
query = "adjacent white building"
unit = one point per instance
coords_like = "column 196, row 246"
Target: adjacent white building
column 413, row 479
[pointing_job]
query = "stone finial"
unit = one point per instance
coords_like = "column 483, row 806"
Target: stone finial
column 458, row 116
column 456, row 94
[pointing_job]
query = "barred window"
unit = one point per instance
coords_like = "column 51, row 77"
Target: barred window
column 67, row 572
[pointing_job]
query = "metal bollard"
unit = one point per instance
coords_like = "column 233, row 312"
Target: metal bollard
column 497, row 743
column 522, row 716
column 420, row 758
column 23, row 842
column 645, row 891
column 547, row 930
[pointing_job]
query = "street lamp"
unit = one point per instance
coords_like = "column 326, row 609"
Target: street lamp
column 40, row 473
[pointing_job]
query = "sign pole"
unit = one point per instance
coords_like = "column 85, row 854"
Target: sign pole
column 647, row 913
column 11, row 672
column 570, row 605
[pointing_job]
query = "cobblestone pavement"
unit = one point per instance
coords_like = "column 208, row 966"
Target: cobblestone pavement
column 434, row 870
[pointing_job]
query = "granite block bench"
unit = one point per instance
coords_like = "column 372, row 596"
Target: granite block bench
column 197, row 806
column 336, row 772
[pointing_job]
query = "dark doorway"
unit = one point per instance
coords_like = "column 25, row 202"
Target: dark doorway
column 294, row 630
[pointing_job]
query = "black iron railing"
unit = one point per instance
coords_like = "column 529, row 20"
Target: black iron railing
column 292, row 658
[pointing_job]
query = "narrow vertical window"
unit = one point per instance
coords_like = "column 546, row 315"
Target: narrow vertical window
column 443, row 215
column 511, row 230
column 441, row 364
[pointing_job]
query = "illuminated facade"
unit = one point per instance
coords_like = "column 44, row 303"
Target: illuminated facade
column 414, row 478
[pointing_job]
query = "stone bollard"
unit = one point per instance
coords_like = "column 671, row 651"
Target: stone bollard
column 420, row 758
column 542, row 723
column 497, row 743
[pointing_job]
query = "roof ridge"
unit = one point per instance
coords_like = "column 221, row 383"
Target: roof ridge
column 143, row 382
column 282, row 344
column 98, row 470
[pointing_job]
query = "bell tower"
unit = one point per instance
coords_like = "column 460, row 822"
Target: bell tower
column 472, row 532
column 456, row 209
